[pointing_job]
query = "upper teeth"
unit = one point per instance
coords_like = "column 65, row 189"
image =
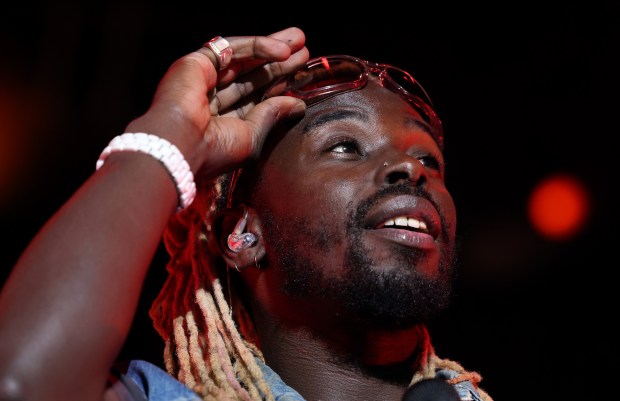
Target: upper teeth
column 404, row 221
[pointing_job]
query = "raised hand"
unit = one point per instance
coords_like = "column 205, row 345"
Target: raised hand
column 214, row 116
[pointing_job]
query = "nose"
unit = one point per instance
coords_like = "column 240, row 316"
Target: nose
column 399, row 168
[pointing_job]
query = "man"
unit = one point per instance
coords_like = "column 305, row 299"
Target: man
column 305, row 267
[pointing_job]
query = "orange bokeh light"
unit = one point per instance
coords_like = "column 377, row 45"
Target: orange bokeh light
column 559, row 206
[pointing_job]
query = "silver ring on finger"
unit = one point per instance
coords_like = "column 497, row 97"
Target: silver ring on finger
column 222, row 50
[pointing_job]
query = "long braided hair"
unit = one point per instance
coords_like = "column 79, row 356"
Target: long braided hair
column 204, row 348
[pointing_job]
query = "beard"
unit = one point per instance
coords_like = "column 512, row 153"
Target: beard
column 396, row 298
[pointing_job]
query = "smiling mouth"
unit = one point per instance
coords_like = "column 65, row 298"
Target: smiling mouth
column 408, row 220
column 408, row 231
column 405, row 222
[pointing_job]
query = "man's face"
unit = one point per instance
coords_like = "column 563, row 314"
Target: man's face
column 357, row 221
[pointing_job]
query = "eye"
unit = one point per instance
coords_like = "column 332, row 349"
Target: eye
column 345, row 147
column 432, row 161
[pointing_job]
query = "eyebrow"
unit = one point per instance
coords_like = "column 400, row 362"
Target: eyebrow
column 336, row 115
column 333, row 116
column 412, row 122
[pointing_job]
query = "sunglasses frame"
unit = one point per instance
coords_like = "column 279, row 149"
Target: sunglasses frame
column 288, row 86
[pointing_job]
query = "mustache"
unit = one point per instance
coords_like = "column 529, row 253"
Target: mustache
column 402, row 188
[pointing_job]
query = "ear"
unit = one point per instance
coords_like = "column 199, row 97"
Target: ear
column 232, row 221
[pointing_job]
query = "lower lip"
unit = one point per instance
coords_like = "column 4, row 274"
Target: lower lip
column 408, row 238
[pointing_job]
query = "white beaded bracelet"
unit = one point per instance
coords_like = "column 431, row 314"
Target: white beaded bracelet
column 168, row 154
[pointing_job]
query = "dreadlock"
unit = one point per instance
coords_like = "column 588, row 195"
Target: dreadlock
column 207, row 347
column 203, row 346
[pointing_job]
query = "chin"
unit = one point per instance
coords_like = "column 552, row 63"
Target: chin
column 393, row 298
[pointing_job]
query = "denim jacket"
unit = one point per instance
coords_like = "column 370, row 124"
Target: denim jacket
column 144, row 381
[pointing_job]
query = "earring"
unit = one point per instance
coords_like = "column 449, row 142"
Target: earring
column 256, row 263
column 237, row 240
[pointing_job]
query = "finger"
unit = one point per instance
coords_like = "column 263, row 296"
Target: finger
column 244, row 86
column 214, row 102
column 221, row 49
column 277, row 46
column 267, row 114
column 249, row 51
column 184, row 87
column 234, row 141
column 267, row 57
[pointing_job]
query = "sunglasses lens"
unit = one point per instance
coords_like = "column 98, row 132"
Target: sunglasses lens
column 326, row 74
column 406, row 81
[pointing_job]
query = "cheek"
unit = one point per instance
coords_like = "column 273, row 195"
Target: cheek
column 297, row 191
column 287, row 192
column 448, row 211
column 337, row 197
column 310, row 209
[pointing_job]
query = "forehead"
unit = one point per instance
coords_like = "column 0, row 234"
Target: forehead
column 371, row 106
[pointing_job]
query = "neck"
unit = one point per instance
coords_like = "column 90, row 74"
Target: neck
column 347, row 363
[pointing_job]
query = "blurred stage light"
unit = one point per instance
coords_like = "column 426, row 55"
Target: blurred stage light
column 559, row 206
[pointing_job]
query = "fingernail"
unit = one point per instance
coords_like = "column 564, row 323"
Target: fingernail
column 298, row 110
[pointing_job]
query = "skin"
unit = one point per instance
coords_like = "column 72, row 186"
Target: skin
column 339, row 299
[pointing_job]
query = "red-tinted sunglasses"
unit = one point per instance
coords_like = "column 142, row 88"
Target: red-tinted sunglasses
column 324, row 77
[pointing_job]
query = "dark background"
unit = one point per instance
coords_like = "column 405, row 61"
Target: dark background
column 525, row 91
